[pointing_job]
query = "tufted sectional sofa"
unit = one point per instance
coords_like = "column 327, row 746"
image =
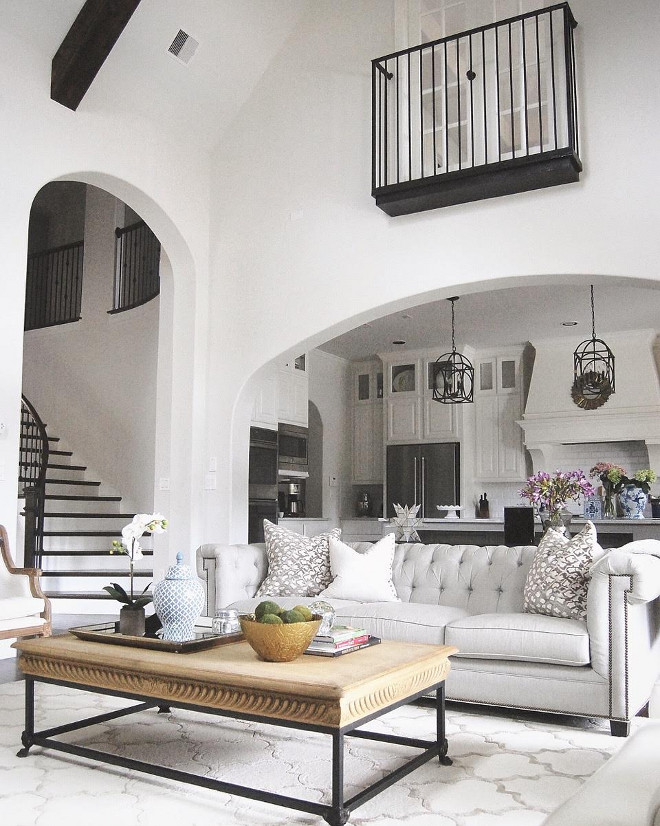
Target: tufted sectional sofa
column 472, row 597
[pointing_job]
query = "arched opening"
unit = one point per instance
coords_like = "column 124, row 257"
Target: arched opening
column 90, row 362
column 519, row 333
column 120, row 385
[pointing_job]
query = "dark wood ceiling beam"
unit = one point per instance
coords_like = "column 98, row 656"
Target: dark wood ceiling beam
column 86, row 46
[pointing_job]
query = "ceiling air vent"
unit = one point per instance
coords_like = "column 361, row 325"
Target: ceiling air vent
column 183, row 47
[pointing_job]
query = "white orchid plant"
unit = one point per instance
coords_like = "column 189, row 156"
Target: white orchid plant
column 129, row 544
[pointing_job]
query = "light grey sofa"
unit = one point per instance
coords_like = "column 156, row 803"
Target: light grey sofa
column 472, row 597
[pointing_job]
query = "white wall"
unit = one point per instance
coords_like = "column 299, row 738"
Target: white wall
column 294, row 227
column 165, row 182
column 94, row 381
column 329, row 381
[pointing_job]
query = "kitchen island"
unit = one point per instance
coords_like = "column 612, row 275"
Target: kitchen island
column 612, row 533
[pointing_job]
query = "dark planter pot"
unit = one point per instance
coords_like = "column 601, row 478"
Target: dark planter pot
column 131, row 621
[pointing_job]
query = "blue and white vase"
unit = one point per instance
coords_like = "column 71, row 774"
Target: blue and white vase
column 633, row 501
column 178, row 601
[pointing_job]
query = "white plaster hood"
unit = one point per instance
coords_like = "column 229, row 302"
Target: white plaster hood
column 632, row 413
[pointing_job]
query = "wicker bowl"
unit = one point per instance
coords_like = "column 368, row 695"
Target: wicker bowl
column 279, row 643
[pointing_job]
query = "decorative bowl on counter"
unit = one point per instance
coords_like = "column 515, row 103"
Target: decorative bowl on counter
column 279, row 643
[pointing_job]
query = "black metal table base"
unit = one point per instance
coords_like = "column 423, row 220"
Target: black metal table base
column 336, row 814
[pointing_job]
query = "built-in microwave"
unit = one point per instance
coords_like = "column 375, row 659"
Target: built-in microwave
column 292, row 449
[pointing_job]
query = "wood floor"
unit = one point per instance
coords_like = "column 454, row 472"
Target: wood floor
column 61, row 622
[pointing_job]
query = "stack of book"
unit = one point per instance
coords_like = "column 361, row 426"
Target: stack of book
column 341, row 639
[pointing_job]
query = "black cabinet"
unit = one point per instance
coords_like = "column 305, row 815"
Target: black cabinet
column 258, row 510
column 428, row 475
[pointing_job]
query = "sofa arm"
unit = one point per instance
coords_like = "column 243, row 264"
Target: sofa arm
column 230, row 573
column 623, row 620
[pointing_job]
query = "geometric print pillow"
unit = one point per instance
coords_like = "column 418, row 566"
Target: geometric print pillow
column 298, row 566
column 557, row 581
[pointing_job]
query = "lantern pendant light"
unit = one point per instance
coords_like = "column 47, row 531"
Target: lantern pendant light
column 593, row 369
column 453, row 373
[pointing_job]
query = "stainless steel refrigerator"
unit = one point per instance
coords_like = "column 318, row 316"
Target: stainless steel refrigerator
column 429, row 475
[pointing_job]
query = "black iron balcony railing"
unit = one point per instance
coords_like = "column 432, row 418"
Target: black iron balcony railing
column 488, row 112
column 137, row 267
column 53, row 290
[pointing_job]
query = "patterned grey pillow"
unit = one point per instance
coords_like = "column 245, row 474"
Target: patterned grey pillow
column 557, row 581
column 297, row 565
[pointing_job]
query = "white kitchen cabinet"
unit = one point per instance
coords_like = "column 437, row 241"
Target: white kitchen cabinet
column 403, row 420
column 367, row 423
column 412, row 414
column 265, row 407
column 500, row 452
column 293, row 392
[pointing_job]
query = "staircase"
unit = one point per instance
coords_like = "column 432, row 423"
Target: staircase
column 79, row 524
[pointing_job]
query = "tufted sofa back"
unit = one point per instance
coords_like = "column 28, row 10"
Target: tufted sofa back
column 480, row 580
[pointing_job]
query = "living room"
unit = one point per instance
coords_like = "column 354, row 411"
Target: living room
column 252, row 165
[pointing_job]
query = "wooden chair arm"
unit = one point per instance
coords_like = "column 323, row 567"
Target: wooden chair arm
column 33, row 575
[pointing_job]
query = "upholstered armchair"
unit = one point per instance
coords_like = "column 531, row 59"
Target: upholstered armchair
column 24, row 608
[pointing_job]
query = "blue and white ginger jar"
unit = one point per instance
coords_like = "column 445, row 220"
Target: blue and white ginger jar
column 178, row 601
column 633, row 501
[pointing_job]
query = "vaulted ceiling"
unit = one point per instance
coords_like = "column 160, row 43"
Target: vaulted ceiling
column 238, row 40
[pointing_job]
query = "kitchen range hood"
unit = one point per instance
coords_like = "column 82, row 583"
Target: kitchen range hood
column 552, row 420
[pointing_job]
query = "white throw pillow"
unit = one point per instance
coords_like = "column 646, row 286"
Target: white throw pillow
column 366, row 577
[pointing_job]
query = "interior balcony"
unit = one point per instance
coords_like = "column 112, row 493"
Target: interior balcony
column 488, row 112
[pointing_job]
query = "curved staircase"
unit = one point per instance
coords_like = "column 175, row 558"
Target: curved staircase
column 79, row 524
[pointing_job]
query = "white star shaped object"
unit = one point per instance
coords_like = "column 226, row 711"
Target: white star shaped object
column 406, row 522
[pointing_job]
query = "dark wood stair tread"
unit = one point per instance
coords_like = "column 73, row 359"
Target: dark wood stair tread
column 70, row 497
column 59, row 515
column 60, row 452
column 65, row 467
column 82, row 574
column 71, row 482
column 81, row 533
column 145, row 552
column 79, row 595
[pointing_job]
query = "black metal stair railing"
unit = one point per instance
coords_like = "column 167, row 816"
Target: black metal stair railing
column 495, row 97
column 33, row 462
column 137, row 267
column 53, row 291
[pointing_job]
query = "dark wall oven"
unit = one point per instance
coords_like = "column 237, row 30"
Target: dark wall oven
column 292, row 445
column 262, row 481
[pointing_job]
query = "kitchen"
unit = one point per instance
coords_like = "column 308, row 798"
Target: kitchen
column 373, row 410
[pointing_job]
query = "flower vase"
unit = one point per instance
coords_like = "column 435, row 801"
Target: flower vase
column 559, row 521
column 609, row 504
column 633, row 501
column 131, row 621
column 178, row 601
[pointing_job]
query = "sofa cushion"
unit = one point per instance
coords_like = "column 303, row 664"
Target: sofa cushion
column 15, row 607
column 556, row 584
column 529, row 637
column 297, row 565
column 363, row 576
column 403, row 621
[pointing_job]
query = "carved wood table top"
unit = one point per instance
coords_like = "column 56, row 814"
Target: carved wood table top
column 332, row 692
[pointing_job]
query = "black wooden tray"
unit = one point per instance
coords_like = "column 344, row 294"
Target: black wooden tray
column 106, row 632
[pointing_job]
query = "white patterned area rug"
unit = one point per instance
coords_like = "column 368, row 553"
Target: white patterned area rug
column 509, row 770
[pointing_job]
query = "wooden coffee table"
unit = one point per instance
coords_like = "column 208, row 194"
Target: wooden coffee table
column 334, row 696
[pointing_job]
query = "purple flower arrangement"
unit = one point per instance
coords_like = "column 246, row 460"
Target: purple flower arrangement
column 551, row 493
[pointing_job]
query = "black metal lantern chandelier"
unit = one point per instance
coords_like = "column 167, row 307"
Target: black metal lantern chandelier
column 453, row 373
column 593, row 369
